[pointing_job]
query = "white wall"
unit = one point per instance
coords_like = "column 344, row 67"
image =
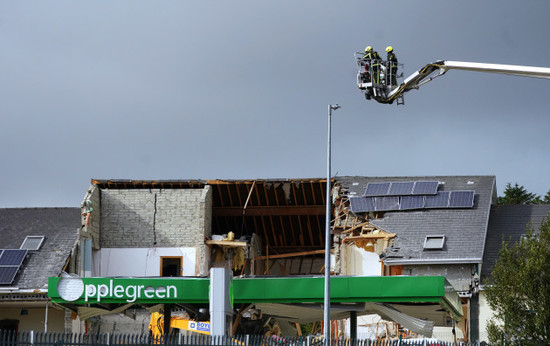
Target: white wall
column 361, row 262
column 140, row 261
column 485, row 315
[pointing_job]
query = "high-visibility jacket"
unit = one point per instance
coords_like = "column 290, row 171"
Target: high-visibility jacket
column 392, row 60
column 372, row 55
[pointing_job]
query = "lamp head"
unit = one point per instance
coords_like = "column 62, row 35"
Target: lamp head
column 335, row 107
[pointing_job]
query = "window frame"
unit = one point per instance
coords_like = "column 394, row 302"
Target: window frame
column 171, row 257
column 41, row 237
column 442, row 238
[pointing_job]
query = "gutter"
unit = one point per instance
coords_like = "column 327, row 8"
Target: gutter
column 25, row 290
column 9, row 289
column 433, row 261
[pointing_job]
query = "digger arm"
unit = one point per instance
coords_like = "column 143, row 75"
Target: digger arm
column 157, row 321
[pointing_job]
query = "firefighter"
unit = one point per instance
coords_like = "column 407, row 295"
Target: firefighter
column 391, row 75
column 374, row 61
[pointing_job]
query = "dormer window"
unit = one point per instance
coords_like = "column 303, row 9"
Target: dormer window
column 32, row 242
column 434, row 242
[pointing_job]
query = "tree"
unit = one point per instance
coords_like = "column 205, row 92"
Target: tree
column 519, row 290
column 518, row 195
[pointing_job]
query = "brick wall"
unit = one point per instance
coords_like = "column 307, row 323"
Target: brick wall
column 142, row 218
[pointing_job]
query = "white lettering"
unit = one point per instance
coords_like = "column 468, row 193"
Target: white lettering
column 90, row 291
column 133, row 295
column 102, row 291
column 160, row 292
column 171, row 288
column 119, row 290
column 131, row 292
column 149, row 292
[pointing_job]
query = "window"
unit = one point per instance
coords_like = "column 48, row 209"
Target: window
column 170, row 265
column 396, row 270
column 32, row 242
column 434, row 242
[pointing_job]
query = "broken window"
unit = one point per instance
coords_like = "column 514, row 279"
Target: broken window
column 32, row 242
column 434, row 242
column 170, row 265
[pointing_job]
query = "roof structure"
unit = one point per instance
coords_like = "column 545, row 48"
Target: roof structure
column 59, row 226
column 288, row 214
column 464, row 228
column 509, row 222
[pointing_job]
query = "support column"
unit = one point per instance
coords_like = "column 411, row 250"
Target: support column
column 353, row 326
column 221, row 309
column 167, row 318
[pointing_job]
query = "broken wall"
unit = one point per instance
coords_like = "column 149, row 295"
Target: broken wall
column 460, row 276
column 147, row 218
column 91, row 215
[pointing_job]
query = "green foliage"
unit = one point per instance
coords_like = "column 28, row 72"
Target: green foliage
column 518, row 195
column 519, row 293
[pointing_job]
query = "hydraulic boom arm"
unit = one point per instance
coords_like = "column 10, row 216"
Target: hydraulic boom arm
column 438, row 68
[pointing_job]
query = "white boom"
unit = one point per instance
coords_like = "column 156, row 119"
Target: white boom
column 384, row 94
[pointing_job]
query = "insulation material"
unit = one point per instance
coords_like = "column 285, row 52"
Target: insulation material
column 238, row 258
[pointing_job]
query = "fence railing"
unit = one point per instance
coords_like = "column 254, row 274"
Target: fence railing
column 30, row 338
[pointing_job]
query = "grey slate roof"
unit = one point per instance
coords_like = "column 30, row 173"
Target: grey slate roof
column 509, row 222
column 59, row 226
column 464, row 229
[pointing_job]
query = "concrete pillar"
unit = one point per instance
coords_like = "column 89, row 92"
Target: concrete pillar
column 221, row 309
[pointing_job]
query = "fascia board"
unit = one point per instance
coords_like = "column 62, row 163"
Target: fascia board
column 434, row 261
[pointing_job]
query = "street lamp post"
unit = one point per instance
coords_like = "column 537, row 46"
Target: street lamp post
column 326, row 329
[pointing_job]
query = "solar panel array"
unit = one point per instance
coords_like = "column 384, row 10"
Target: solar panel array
column 402, row 188
column 409, row 195
column 10, row 262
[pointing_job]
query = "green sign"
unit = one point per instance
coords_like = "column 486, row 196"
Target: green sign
column 71, row 288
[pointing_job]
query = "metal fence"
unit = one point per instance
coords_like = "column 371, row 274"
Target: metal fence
column 11, row 338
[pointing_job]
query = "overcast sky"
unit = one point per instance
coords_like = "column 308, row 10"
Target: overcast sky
column 240, row 89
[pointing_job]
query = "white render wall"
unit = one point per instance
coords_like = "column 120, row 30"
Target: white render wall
column 485, row 315
column 362, row 263
column 140, row 262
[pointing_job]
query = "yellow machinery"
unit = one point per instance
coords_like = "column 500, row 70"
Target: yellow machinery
column 157, row 323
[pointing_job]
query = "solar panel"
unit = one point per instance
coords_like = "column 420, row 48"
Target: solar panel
column 412, row 202
column 7, row 274
column 461, row 199
column 12, row 257
column 361, row 204
column 441, row 200
column 386, row 203
column 401, row 188
column 377, row 189
column 425, row 188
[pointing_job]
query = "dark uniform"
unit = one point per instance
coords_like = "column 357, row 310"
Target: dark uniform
column 391, row 75
column 374, row 60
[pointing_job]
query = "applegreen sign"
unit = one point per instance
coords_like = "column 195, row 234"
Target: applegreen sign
column 71, row 288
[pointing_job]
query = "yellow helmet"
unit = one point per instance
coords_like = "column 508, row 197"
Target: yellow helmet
column 368, row 49
column 389, row 49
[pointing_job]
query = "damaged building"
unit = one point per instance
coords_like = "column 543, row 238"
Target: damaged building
column 409, row 226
